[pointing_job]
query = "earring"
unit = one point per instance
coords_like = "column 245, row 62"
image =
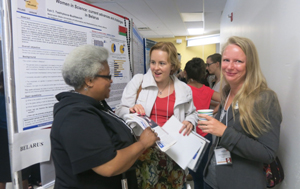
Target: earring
column 85, row 88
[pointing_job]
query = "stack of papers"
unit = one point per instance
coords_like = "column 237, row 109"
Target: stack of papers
column 134, row 120
column 186, row 151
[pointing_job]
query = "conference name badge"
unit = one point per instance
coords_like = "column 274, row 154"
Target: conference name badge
column 223, row 156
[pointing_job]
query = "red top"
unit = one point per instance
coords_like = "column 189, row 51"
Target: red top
column 160, row 109
column 201, row 98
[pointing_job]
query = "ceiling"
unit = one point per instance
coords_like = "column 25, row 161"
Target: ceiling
column 163, row 18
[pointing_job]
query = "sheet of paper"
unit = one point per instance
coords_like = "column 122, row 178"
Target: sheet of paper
column 166, row 140
column 26, row 143
column 196, row 157
column 183, row 151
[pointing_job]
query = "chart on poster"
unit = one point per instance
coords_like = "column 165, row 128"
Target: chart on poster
column 44, row 33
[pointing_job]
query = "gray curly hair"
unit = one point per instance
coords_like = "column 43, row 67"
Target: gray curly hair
column 83, row 62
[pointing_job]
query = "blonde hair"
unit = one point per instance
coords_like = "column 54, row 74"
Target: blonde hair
column 171, row 50
column 254, row 98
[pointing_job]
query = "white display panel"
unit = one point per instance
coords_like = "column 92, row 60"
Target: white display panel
column 44, row 32
column 138, row 51
column 147, row 47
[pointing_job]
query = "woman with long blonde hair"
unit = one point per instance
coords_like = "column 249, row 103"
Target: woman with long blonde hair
column 247, row 125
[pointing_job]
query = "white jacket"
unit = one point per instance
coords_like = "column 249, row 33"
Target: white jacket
column 184, row 108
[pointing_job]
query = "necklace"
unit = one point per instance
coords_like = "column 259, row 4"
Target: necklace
column 167, row 106
column 160, row 92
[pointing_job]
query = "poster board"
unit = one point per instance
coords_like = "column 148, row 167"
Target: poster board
column 44, row 33
column 137, row 51
column 38, row 36
column 147, row 46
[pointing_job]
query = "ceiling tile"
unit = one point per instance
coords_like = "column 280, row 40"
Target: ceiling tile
column 214, row 5
column 192, row 6
column 163, row 16
column 212, row 22
column 194, row 24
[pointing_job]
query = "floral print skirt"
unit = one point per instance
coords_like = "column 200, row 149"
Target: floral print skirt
column 156, row 170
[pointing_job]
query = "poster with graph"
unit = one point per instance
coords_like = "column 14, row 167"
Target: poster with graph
column 44, row 33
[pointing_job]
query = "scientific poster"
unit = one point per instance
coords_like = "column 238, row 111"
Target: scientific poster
column 138, row 51
column 147, row 46
column 44, row 32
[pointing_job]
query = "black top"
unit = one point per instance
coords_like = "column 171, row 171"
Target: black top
column 85, row 135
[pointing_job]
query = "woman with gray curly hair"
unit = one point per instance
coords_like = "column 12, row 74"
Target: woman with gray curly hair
column 91, row 146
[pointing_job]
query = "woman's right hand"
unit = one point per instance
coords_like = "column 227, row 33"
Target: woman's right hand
column 212, row 125
column 126, row 157
column 148, row 137
column 138, row 108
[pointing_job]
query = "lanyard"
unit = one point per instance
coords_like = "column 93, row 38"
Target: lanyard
column 226, row 111
column 109, row 113
column 118, row 118
column 222, row 116
column 167, row 106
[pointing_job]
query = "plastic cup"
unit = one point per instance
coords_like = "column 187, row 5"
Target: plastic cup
column 208, row 112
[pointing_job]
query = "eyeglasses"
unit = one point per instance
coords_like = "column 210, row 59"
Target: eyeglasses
column 208, row 64
column 104, row 76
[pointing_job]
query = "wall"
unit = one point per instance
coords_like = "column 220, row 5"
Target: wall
column 273, row 27
column 187, row 53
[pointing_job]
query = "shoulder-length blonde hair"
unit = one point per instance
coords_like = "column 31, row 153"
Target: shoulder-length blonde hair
column 254, row 98
column 171, row 50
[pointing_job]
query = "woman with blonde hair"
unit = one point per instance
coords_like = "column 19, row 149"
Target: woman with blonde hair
column 247, row 125
column 162, row 95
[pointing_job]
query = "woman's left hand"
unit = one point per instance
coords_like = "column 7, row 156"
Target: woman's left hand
column 211, row 126
column 187, row 127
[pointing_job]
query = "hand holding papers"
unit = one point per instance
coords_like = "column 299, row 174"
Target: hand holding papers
column 186, row 151
column 135, row 120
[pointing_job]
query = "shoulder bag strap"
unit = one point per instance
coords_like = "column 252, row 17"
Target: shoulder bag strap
column 139, row 90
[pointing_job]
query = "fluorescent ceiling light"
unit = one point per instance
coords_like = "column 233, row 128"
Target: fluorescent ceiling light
column 192, row 17
column 203, row 40
column 195, row 31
